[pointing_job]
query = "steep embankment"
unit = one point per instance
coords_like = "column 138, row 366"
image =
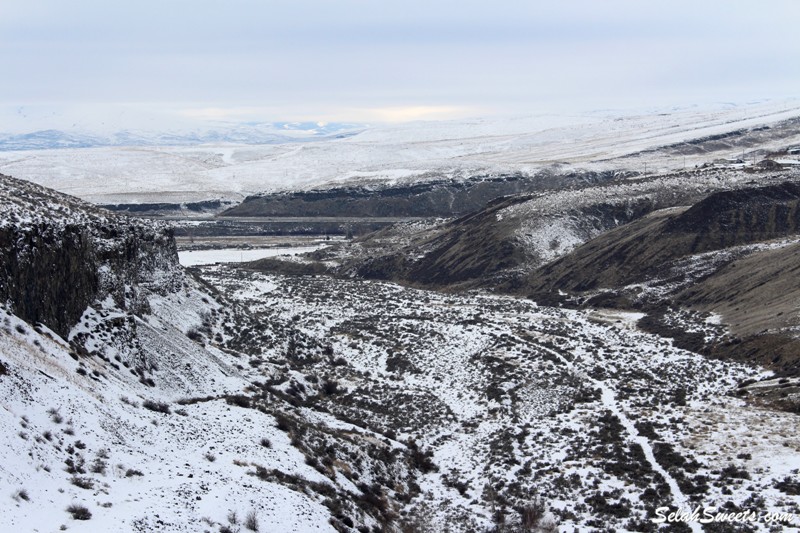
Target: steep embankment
column 134, row 398
column 58, row 255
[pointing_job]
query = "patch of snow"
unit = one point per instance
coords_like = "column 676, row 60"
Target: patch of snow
column 238, row 255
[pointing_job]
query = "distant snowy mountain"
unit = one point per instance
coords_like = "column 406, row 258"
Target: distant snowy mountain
column 246, row 133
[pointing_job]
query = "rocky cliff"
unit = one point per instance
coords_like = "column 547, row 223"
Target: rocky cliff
column 59, row 254
column 434, row 198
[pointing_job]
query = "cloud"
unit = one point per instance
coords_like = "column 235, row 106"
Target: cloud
column 411, row 113
column 225, row 114
column 331, row 113
column 392, row 61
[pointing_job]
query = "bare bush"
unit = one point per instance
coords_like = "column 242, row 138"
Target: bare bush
column 79, row 512
column 83, row 482
column 251, row 521
column 159, row 407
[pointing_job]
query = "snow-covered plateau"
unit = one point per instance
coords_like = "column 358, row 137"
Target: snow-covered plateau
column 401, row 153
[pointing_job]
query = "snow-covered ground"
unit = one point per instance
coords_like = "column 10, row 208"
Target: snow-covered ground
column 516, row 403
column 239, row 255
column 77, row 432
column 393, row 153
column 577, row 407
column 312, row 402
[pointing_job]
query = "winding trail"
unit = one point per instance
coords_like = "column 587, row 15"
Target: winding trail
column 609, row 400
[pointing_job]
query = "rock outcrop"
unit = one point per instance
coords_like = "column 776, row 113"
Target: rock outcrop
column 59, row 254
column 434, row 198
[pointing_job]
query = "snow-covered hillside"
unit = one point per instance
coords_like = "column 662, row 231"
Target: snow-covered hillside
column 138, row 413
column 528, row 407
column 415, row 151
column 527, row 410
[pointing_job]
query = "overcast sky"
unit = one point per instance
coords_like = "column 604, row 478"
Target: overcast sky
column 142, row 62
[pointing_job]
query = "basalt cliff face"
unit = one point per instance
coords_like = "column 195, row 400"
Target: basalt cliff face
column 59, row 254
column 433, row 198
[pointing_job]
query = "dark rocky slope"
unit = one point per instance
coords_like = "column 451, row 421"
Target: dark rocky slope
column 477, row 248
column 170, row 208
column 435, row 198
column 499, row 245
column 59, row 254
column 757, row 296
column 756, row 293
column 646, row 248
